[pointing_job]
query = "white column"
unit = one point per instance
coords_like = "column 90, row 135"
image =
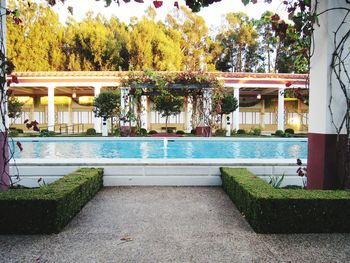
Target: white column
column 320, row 116
column 144, row 119
column 236, row 112
column 97, row 120
column 189, row 115
column 280, row 110
column 51, row 107
column 70, row 119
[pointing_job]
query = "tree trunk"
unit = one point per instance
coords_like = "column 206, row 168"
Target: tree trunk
column 166, row 124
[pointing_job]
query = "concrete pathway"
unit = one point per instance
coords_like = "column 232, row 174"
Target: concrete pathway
column 169, row 224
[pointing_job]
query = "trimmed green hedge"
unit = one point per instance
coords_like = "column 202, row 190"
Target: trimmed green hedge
column 270, row 210
column 48, row 209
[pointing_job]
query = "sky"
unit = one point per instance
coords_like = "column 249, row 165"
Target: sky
column 212, row 15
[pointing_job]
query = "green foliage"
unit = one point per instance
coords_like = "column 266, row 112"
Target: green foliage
column 47, row 133
column 91, row 131
column 14, row 107
column 289, row 130
column 192, row 34
column 48, row 209
column 279, row 133
column 14, row 133
column 167, row 104
column 107, row 105
column 180, row 132
column 117, row 132
column 169, row 131
column 241, row 131
column 270, row 210
column 152, row 132
column 220, row 132
column 143, row 132
column 182, row 42
column 237, row 34
column 256, row 131
column 20, row 130
column 276, row 181
column 35, row 45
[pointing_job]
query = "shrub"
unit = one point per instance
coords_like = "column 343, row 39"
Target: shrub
column 143, row 131
column 91, row 131
column 289, row 131
column 14, row 133
column 256, row 132
column 20, row 130
column 220, row 132
column 270, row 210
column 180, row 132
column 48, row 209
column 193, row 131
column 47, row 133
column 152, row 132
column 233, row 132
column 169, row 131
column 116, row 132
column 241, row 131
column 279, row 133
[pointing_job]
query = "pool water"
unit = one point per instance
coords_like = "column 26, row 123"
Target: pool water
column 177, row 148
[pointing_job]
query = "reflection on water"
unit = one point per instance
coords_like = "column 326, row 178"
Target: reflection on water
column 155, row 149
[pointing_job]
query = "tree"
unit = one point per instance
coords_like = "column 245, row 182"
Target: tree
column 88, row 45
column 14, row 108
column 168, row 104
column 153, row 45
column 225, row 104
column 107, row 105
column 267, row 39
column 36, row 44
column 194, row 41
column 237, row 35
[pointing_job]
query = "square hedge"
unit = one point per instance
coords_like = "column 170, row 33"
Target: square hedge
column 48, row 209
column 270, row 210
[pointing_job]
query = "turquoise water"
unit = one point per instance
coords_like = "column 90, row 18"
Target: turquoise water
column 261, row 149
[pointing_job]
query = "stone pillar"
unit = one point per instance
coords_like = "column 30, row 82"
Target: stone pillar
column 326, row 150
column 70, row 111
column 51, row 107
column 97, row 120
column 262, row 114
column 4, row 167
column 300, row 116
column 236, row 112
column 148, row 111
column 188, row 115
column 144, row 117
column 280, row 109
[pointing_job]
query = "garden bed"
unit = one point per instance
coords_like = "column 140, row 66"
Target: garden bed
column 270, row 210
column 48, row 209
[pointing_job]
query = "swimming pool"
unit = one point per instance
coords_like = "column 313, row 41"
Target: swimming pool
column 151, row 148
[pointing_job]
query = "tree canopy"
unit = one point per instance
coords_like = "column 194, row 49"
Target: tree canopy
column 181, row 43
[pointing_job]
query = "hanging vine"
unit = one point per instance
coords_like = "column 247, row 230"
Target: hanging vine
column 340, row 75
column 6, row 69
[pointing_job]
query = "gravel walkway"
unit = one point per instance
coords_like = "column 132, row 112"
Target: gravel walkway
column 168, row 224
